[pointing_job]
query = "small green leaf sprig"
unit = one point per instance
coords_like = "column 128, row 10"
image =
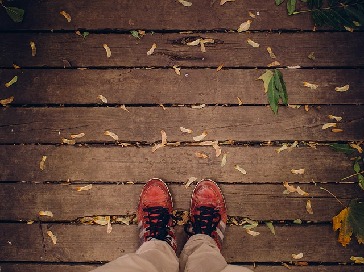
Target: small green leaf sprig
column 16, row 14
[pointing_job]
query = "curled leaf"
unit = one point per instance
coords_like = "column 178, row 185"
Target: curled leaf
column 124, row 108
column 77, row 136
column 337, row 118
column 102, row 98
column 224, row 1
column 194, row 43
column 66, row 15
column 289, row 188
column 270, row 52
column 190, row 181
column 68, row 142
column 200, row 137
column 274, row 63
column 219, row 67
column 309, row 207
column 53, row 237
column 185, row 3
column 240, row 102
column 217, row 148
column 252, row 232
column 343, row 88
column 111, row 134
column 328, row 125
column 33, row 47
column 164, row 142
column 252, row 43
column 177, row 70
column 198, row 106
column 251, row 14
column 337, row 130
column 301, row 192
column 151, row 50
column 357, row 260
column 11, row 82
column 244, row 26
column 107, row 49
column 42, row 163
column 7, row 101
column 241, row 170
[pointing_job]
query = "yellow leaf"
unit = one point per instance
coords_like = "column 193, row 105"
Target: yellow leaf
column 190, row 181
column 194, row 43
column 7, row 101
column 111, row 134
column 328, row 125
column 337, row 118
column 270, row 52
column 217, row 148
column 224, row 1
column 202, row 44
column 198, row 106
column 298, row 171
column 33, row 47
column 185, row 3
column 223, row 160
column 307, row 107
column 251, row 14
column 66, row 15
column 244, row 26
column 11, row 82
column 252, row 43
column 124, row 108
column 343, row 88
column 340, row 222
column 240, row 102
column 84, row 188
column 67, row 141
column 151, row 50
column 46, row 213
column 309, row 207
column 200, row 137
column 289, row 188
column 219, row 68
column 310, row 85
column 77, row 136
column 107, row 49
column 357, row 260
column 185, row 130
column 350, row 29
column 297, row 256
column 337, row 130
column 177, row 70
column 357, row 147
column 16, row 66
column 274, row 63
column 53, row 237
column 42, row 163
column 283, row 147
column 102, row 98
column 241, row 170
column 301, row 192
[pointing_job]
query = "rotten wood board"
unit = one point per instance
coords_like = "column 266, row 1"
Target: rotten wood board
column 144, row 124
column 30, row 243
column 22, row 202
column 193, row 86
column 146, row 14
column 44, row 267
column 172, row 164
column 229, row 49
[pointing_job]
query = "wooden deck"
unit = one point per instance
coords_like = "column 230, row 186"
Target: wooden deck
column 57, row 95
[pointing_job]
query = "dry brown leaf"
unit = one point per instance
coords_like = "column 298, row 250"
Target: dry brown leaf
column 46, row 213
column 185, row 130
column 357, row 147
column 84, row 188
column 241, row 170
column 151, row 50
column 328, row 125
column 33, row 47
column 309, row 207
column 252, row 232
column 7, row 101
column 297, row 256
column 240, row 102
column 310, row 85
column 66, row 15
column 201, row 155
column 217, row 148
column 77, row 136
column 223, row 160
column 270, row 52
column 177, row 70
column 343, row 88
column 185, row 3
column 289, row 188
column 224, row 1
column 198, row 106
column 337, row 118
column 340, row 222
column 301, row 192
column 200, row 137
column 219, row 68
column 102, row 98
column 274, row 63
column 337, row 130
column 252, row 43
column 190, row 181
column 251, row 14
column 298, row 171
column 53, row 237
column 107, row 49
column 307, row 108
column 112, row 135
column 67, row 141
column 244, row 26
column 42, row 163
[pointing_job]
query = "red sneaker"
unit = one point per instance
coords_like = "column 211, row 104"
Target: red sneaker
column 155, row 213
column 208, row 212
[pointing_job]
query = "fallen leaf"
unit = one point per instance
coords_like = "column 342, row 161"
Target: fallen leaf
column 350, row 29
column 151, row 50
column 266, row 77
column 239, row 101
column 7, row 101
column 294, row 67
column 301, row 192
column 294, row 106
column 298, row 171
column 46, row 213
column 112, row 135
column 328, row 125
column 30, row 222
column 337, row 130
column 135, row 34
column 67, row 141
column 109, row 227
column 297, row 256
column 205, row 143
column 77, row 136
column 310, row 85
column 102, row 220
column 343, row 88
column 251, row 14
column 289, row 188
column 357, row 147
column 102, row 98
column 124, row 108
column 200, row 137
column 194, row 43
column 185, row 3
column 201, row 155
column 224, row 1
column 274, row 63
column 219, row 68
column 270, row 52
column 217, row 148
column 244, row 26
column 16, row 66
column 223, row 160
column 357, row 260
column 66, row 15
column 270, row 226
column 297, row 221
column 42, row 163
column 164, row 142
column 107, row 49
column 241, row 170
column 177, row 70
column 283, row 147
column 307, row 108
column 190, row 181
column 337, row 118
column 309, row 207
column 252, row 43
column 53, row 237
column 11, row 82
column 198, row 106
column 162, row 106
column 286, row 266
column 312, row 56
column 185, row 130
column 34, row 49
column 84, row 188
column 16, row 14
column 252, row 232
column 202, row 44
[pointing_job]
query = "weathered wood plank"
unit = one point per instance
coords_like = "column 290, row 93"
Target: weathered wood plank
column 255, row 123
column 259, row 202
column 84, row 243
column 229, row 49
column 146, row 14
column 117, row 164
column 44, row 267
column 138, row 86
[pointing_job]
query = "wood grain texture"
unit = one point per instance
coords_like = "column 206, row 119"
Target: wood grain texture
column 317, row 242
column 44, row 267
column 255, row 123
column 117, row 164
column 229, row 49
column 259, row 202
column 147, row 14
column 164, row 86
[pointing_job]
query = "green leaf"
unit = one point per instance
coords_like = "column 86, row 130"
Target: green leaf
column 297, row 221
column 278, row 2
column 273, row 96
column 345, row 148
column 291, row 6
column 11, row 82
column 361, row 181
column 356, row 218
column 266, row 77
column 85, row 34
column 281, row 86
column 16, row 14
column 135, row 34
column 356, row 166
column 270, row 227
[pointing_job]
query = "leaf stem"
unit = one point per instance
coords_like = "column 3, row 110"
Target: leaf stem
column 353, row 175
column 322, row 188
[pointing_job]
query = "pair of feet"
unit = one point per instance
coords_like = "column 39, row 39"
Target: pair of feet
column 207, row 213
